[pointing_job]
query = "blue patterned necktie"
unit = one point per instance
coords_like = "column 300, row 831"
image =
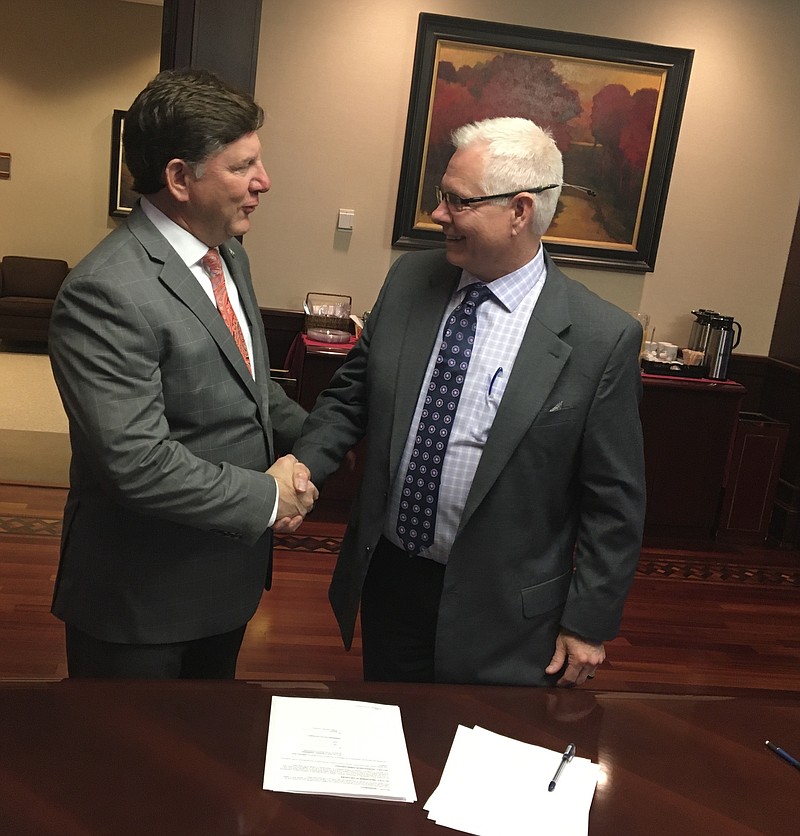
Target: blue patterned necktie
column 420, row 494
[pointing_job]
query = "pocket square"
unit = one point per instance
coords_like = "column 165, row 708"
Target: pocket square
column 557, row 408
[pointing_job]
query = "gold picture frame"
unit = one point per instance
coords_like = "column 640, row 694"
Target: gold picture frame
column 121, row 196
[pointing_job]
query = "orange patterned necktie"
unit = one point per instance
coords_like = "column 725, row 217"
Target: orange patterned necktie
column 213, row 266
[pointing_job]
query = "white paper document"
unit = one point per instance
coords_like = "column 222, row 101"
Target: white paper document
column 497, row 786
column 337, row 747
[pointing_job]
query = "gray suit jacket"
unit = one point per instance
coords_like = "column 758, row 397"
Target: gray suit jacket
column 165, row 529
column 560, row 481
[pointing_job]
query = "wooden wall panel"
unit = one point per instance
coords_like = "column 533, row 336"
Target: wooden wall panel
column 214, row 35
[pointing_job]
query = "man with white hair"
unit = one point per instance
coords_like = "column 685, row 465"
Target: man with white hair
column 499, row 522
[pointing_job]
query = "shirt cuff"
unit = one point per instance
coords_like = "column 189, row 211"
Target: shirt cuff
column 275, row 507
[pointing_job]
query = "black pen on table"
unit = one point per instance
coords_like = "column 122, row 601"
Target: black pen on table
column 569, row 754
column 782, row 753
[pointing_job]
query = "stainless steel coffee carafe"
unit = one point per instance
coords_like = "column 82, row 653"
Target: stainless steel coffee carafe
column 724, row 334
column 698, row 336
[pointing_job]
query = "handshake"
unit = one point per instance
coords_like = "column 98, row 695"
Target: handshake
column 296, row 493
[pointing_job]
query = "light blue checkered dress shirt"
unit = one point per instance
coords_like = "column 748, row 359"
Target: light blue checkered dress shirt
column 501, row 325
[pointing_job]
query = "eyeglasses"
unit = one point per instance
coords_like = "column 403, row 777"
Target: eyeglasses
column 455, row 201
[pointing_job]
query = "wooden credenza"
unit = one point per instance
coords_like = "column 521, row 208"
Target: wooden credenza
column 689, row 427
column 313, row 363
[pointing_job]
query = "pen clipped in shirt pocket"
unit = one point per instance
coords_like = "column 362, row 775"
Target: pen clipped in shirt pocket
column 496, row 387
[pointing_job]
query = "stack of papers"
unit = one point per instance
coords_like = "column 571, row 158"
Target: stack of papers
column 337, row 747
column 496, row 786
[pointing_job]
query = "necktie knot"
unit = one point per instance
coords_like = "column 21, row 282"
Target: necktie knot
column 212, row 265
column 476, row 294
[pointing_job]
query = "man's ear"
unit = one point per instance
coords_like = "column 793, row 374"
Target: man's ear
column 177, row 174
column 524, row 211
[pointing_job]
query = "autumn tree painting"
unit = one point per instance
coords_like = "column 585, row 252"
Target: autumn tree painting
column 613, row 107
column 601, row 116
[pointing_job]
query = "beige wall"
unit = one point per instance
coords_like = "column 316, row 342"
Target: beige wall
column 334, row 79
column 65, row 65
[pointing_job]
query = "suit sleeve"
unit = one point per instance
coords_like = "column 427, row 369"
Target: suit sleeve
column 286, row 417
column 612, row 505
column 106, row 360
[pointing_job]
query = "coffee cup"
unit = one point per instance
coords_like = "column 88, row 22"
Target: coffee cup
column 667, row 351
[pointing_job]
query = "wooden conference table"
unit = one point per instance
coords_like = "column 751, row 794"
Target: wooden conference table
column 117, row 758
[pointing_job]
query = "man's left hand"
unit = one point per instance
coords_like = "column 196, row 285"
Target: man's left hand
column 582, row 659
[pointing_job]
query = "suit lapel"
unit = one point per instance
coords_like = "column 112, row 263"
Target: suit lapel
column 541, row 357
column 258, row 388
column 179, row 279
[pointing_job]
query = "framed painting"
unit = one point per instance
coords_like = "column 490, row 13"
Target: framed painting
column 121, row 196
column 613, row 107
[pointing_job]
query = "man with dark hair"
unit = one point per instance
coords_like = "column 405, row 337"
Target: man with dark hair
column 187, row 115
column 160, row 358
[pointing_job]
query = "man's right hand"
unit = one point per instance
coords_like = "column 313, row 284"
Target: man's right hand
column 296, row 493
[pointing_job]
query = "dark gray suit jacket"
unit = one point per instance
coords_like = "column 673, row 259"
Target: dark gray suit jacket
column 165, row 529
column 561, row 477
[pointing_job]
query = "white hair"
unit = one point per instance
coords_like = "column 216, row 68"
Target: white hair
column 519, row 155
